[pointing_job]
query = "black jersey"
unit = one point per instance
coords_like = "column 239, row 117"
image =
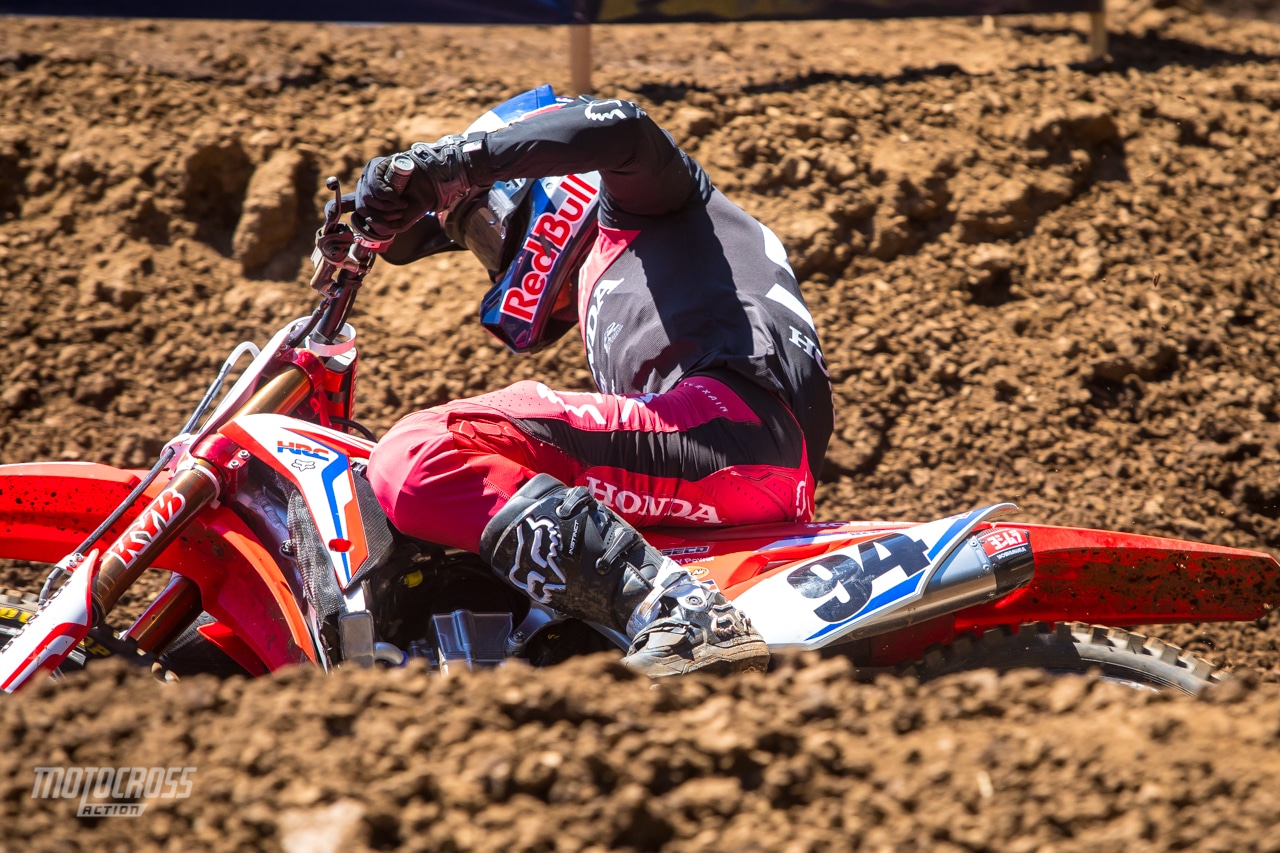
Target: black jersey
column 681, row 281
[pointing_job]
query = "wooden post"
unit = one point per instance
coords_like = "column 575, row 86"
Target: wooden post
column 580, row 58
column 1098, row 33
column 988, row 25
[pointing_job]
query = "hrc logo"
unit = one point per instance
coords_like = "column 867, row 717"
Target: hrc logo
column 299, row 449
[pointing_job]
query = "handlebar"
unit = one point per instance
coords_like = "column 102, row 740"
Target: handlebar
column 400, row 170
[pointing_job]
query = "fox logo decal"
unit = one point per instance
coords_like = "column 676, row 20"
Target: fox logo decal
column 538, row 559
column 613, row 108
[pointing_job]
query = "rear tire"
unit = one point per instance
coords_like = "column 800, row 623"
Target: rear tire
column 1073, row 648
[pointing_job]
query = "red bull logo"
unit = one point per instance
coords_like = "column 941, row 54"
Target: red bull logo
column 548, row 238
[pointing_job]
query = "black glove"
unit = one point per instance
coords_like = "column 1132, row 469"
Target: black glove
column 382, row 209
column 443, row 174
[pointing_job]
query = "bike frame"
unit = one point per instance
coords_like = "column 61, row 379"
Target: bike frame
column 1080, row 574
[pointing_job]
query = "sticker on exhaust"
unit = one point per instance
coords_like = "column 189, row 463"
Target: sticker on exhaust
column 1005, row 543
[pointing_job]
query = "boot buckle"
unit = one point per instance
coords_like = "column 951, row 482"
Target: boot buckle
column 673, row 582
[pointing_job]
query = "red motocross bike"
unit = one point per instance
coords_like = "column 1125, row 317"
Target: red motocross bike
column 280, row 555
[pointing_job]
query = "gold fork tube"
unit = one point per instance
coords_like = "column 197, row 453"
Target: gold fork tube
column 168, row 616
column 159, row 523
column 280, row 396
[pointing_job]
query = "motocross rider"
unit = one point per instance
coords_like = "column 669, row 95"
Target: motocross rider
column 714, row 407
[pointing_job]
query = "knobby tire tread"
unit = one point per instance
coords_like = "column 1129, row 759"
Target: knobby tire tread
column 1075, row 648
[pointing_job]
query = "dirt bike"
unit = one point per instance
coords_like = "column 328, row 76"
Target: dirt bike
column 281, row 555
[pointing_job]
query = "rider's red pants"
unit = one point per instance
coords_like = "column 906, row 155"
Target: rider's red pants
column 699, row 454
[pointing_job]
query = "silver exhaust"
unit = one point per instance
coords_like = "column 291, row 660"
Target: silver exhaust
column 971, row 577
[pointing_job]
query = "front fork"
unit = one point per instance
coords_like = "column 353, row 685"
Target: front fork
column 187, row 494
column 100, row 580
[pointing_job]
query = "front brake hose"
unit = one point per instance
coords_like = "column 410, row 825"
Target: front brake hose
column 74, row 558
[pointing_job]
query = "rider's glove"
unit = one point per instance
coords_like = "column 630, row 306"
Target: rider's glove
column 443, row 173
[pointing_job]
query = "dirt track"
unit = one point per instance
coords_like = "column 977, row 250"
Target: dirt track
column 1037, row 280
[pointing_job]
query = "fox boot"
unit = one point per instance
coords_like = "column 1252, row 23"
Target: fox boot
column 564, row 549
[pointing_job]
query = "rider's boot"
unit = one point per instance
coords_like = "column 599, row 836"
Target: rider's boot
column 564, row 549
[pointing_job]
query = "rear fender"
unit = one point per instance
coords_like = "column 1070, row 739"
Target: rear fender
column 47, row 508
column 1087, row 575
column 1120, row 579
column 1100, row 575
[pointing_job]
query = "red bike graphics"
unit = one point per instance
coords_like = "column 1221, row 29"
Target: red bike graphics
column 318, row 461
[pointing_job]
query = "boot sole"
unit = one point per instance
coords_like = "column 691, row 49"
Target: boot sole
column 751, row 656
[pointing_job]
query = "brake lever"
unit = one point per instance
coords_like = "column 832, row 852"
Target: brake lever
column 350, row 248
column 334, row 240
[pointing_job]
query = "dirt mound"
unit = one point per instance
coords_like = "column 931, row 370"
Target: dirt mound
column 1037, row 279
column 801, row 759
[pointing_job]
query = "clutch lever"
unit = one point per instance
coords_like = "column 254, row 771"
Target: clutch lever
column 340, row 204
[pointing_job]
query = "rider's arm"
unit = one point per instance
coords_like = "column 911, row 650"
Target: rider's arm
column 643, row 171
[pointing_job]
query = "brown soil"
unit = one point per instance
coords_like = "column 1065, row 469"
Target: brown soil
column 1038, row 279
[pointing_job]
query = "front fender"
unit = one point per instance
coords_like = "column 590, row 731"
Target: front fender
column 48, row 508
